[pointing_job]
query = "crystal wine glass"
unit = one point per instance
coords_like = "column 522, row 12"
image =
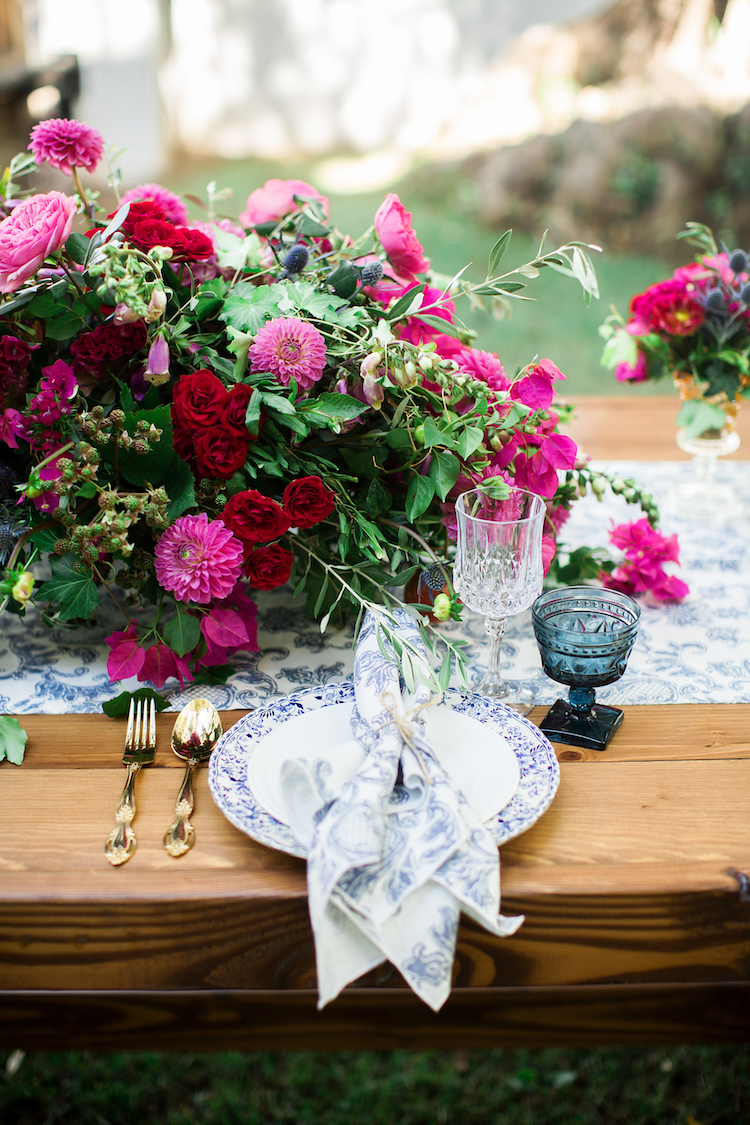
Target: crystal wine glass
column 498, row 572
column 585, row 636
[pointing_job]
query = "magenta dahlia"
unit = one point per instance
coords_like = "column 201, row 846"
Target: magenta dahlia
column 174, row 209
column 197, row 560
column 67, row 144
column 290, row 349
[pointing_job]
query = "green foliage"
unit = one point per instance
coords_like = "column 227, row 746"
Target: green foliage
column 13, row 740
column 76, row 594
column 120, row 705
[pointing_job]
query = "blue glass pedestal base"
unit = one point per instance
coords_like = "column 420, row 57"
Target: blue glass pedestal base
column 591, row 729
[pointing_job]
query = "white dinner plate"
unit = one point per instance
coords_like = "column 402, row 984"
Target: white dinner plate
column 474, row 754
column 501, row 762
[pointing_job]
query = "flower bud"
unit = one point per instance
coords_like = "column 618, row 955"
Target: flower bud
column 156, row 306
column 23, row 587
column 441, row 608
column 157, row 371
column 125, row 315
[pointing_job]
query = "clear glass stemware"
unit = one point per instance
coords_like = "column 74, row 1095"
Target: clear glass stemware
column 498, row 572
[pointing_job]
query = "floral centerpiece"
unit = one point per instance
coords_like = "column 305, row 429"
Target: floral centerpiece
column 694, row 328
column 192, row 412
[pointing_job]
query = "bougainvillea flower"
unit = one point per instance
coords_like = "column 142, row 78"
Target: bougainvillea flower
column 160, row 663
column 289, row 348
column 67, row 144
column 625, row 373
column 198, row 560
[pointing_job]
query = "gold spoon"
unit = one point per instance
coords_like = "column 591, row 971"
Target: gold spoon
column 194, row 735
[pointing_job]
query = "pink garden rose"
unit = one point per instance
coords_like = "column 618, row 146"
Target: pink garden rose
column 275, row 200
column 394, row 229
column 35, row 229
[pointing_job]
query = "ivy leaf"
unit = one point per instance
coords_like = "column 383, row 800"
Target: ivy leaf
column 182, row 633
column 419, row 496
column 697, row 417
column 180, row 486
column 250, row 306
column 120, row 705
column 76, row 594
column 13, row 739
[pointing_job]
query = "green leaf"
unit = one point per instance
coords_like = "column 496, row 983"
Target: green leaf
column 444, row 470
column 444, row 676
column 76, row 247
column 378, row 500
column 13, row 739
column 76, row 594
column 45, row 539
column 399, row 440
column 497, row 252
column 410, row 301
column 344, row 280
column 180, row 485
column 215, row 674
column 182, row 633
column 24, row 298
column 63, row 327
column 433, row 435
column 468, row 441
column 45, row 305
column 278, row 402
column 120, row 705
column 152, row 467
column 419, row 496
column 440, row 324
column 311, row 227
column 697, row 417
column 250, row 306
column 334, row 405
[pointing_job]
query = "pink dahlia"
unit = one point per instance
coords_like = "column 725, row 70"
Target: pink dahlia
column 291, row 349
column 66, row 144
column 197, row 560
column 174, row 209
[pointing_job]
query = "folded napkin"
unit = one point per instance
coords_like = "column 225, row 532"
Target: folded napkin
column 397, row 853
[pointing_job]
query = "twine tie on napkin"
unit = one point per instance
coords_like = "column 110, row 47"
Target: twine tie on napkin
column 397, row 853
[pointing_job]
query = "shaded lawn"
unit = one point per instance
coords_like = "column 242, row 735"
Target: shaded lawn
column 558, row 325
column 607, row 1086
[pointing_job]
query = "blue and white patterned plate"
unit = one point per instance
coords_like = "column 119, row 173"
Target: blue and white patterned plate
column 227, row 775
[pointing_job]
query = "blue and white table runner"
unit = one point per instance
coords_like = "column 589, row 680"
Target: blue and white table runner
column 695, row 651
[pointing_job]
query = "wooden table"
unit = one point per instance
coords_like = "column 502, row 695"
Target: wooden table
column 634, row 885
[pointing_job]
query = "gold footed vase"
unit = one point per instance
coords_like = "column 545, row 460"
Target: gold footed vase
column 704, row 500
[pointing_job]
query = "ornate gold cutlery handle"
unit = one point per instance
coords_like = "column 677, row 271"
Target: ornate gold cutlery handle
column 122, row 843
column 180, row 836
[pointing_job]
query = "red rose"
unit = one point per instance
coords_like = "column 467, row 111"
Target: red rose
column 668, row 307
column 255, row 518
column 235, row 409
column 140, row 211
column 198, row 400
column 219, row 453
column 188, row 245
column 307, row 501
column 182, row 440
column 269, row 567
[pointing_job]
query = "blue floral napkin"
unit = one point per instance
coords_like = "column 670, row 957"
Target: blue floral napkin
column 397, row 853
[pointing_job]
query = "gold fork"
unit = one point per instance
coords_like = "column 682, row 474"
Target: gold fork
column 140, row 748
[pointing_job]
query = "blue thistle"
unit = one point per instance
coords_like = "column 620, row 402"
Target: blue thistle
column 9, row 532
column 715, row 300
column 433, row 578
column 745, row 294
column 296, row 259
column 738, row 262
column 372, row 273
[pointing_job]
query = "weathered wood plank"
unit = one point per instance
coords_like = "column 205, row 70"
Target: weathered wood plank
column 375, row 1020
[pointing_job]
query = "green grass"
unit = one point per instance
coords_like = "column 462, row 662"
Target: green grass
column 557, row 325
column 607, row 1086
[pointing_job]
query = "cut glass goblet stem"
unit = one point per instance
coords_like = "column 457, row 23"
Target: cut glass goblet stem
column 492, row 684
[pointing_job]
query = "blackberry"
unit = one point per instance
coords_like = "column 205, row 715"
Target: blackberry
column 372, row 273
column 296, row 259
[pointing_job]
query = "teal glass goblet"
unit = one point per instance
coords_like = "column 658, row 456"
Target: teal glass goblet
column 585, row 636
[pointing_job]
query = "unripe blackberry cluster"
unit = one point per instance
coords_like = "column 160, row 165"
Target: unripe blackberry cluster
column 101, row 429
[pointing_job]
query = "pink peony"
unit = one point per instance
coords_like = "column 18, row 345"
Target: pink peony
column 197, row 560
column 275, row 200
column 35, row 229
column 174, row 209
column 67, row 144
column 291, row 349
column 393, row 227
